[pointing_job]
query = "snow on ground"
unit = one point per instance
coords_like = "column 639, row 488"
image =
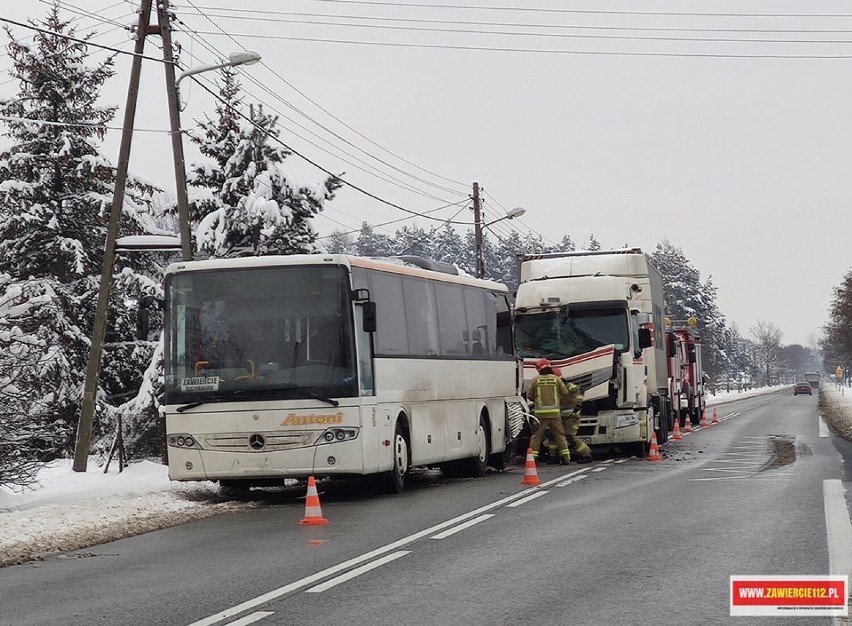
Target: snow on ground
column 67, row 510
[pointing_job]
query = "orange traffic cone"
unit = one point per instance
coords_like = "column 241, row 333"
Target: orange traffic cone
column 687, row 424
column 530, row 473
column 715, row 419
column 676, row 436
column 704, row 423
column 313, row 513
column 654, row 452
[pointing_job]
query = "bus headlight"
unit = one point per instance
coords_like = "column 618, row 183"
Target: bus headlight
column 182, row 440
column 630, row 419
column 336, row 435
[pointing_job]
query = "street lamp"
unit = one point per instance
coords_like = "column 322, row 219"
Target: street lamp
column 234, row 59
column 510, row 215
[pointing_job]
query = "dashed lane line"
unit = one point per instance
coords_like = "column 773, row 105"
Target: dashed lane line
column 529, row 498
column 472, row 522
column 333, row 582
column 251, row 618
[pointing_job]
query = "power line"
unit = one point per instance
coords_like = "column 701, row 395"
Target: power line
column 543, row 50
column 402, row 219
column 78, row 40
column 373, row 171
column 320, row 167
column 277, row 75
column 30, row 120
column 502, row 24
column 465, row 31
column 578, row 11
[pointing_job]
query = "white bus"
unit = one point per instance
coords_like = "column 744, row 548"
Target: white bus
column 284, row 367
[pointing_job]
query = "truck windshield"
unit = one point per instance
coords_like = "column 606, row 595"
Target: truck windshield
column 567, row 333
column 259, row 333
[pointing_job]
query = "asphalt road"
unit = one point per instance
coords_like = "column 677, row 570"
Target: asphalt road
column 620, row 541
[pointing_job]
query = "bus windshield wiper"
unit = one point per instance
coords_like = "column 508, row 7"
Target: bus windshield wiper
column 275, row 393
column 310, row 394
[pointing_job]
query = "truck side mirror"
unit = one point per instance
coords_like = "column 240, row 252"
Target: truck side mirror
column 369, row 317
column 645, row 340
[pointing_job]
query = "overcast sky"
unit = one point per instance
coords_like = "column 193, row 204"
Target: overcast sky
column 736, row 153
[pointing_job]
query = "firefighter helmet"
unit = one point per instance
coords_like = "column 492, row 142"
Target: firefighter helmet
column 542, row 363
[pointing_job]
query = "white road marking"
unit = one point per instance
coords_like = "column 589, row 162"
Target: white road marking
column 622, row 460
column 607, row 461
column 357, row 571
column 309, row 580
column 467, row 524
column 823, row 428
column 599, row 469
column 838, row 533
column 838, row 529
column 251, row 618
column 527, row 499
column 572, row 480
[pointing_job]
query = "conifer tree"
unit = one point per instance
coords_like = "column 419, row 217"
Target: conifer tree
column 447, row 245
column 245, row 203
column 836, row 343
column 371, row 243
column 340, row 242
column 55, row 192
column 687, row 296
column 413, row 241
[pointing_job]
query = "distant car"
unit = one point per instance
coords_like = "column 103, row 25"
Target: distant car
column 802, row 388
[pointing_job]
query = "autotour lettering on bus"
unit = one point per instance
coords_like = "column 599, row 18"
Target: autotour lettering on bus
column 304, row 420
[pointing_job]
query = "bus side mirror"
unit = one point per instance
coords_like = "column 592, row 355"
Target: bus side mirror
column 143, row 316
column 645, row 338
column 369, row 317
column 142, row 324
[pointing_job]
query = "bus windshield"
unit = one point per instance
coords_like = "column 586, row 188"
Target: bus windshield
column 259, row 333
column 570, row 332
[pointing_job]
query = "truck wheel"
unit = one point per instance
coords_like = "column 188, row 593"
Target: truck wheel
column 661, row 425
column 638, row 449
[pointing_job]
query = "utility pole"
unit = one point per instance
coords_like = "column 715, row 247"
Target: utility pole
column 477, row 226
column 87, row 410
column 177, row 138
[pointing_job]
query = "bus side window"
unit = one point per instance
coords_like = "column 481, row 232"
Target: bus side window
column 365, row 354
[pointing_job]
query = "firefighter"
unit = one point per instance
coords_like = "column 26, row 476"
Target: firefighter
column 569, row 411
column 547, row 391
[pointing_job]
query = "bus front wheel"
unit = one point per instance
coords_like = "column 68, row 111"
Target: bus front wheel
column 478, row 465
column 394, row 480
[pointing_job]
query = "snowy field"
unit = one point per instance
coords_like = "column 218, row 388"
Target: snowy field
column 67, row 510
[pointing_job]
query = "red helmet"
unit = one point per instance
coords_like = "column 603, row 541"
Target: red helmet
column 556, row 371
column 542, row 363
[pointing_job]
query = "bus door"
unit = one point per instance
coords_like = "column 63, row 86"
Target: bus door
column 374, row 430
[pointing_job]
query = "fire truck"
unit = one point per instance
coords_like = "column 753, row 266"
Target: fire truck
column 686, row 376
